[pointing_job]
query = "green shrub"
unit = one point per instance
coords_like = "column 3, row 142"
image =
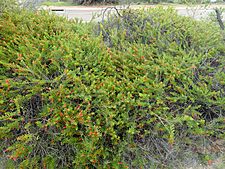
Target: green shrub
column 52, row 106
column 182, row 64
column 89, row 2
column 7, row 5
column 71, row 99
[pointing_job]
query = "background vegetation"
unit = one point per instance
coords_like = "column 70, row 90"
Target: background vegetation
column 96, row 2
column 141, row 89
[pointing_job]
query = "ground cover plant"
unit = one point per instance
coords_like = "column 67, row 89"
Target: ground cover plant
column 140, row 90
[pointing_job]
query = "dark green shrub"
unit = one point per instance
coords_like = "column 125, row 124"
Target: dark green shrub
column 159, row 29
column 70, row 99
column 89, row 2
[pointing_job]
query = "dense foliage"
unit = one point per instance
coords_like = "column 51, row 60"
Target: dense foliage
column 136, row 92
column 183, row 55
column 7, row 5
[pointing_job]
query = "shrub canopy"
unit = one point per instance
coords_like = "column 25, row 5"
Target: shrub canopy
column 72, row 97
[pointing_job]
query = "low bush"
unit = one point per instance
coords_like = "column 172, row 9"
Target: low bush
column 138, row 92
column 180, row 59
column 91, row 2
column 7, row 5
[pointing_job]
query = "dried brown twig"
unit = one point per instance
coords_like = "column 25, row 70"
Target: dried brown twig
column 219, row 18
